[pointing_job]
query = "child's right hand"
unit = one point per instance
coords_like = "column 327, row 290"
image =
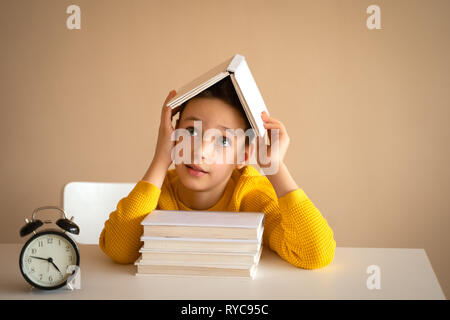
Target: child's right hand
column 165, row 144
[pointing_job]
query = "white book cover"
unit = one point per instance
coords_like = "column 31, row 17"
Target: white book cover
column 251, row 220
column 243, row 82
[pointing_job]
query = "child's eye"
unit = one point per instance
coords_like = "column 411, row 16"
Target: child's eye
column 193, row 130
column 224, row 142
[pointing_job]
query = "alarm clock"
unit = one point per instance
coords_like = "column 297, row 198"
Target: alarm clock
column 48, row 255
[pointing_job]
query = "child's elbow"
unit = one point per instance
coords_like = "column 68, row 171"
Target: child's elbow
column 117, row 254
column 315, row 258
column 323, row 257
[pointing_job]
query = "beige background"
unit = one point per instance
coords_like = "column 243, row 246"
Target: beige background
column 367, row 110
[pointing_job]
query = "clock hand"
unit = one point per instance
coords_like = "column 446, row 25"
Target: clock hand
column 39, row 258
column 51, row 261
column 48, row 260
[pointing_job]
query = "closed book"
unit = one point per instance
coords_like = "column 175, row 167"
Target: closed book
column 196, row 270
column 200, row 258
column 201, row 245
column 203, row 224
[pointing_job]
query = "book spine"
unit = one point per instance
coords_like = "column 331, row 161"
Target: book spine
column 200, row 232
column 202, row 247
column 235, row 63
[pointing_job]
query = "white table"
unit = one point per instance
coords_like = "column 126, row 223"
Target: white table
column 405, row 274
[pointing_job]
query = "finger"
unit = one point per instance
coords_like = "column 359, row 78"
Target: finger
column 268, row 125
column 275, row 125
column 267, row 118
column 167, row 112
column 262, row 142
column 272, row 120
column 164, row 110
column 171, row 94
column 269, row 135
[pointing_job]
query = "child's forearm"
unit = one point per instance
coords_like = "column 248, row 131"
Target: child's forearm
column 120, row 238
column 156, row 173
column 282, row 181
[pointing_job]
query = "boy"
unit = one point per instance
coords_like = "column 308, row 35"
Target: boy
column 294, row 227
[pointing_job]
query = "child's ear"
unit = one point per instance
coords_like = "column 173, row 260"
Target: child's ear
column 249, row 149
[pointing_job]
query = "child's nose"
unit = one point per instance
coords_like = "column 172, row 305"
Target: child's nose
column 204, row 149
column 207, row 149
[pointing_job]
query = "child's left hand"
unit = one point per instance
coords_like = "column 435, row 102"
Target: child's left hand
column 283, row 140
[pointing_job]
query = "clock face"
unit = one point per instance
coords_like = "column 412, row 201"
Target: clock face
column 45, row 258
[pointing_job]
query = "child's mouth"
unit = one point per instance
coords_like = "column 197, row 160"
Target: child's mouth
column 195, row 171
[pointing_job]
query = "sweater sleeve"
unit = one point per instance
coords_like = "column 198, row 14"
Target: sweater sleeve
column 120, row 237
column 297, row 231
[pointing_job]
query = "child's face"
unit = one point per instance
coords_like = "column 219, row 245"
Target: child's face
column 213, row 114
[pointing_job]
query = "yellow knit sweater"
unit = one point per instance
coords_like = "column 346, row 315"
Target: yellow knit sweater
column 294, row 228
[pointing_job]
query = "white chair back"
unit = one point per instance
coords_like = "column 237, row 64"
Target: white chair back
column 90, row 203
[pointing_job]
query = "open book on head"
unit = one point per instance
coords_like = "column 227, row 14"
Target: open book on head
column 244, row 83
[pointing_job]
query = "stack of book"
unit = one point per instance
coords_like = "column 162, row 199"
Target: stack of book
column 201, row 243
